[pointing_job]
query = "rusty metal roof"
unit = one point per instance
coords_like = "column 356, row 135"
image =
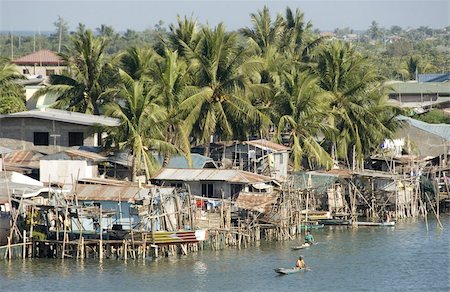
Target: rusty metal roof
column 268, row 145
column 42, row 57
column 211, row 174
column 99, row 189
column 117, row 193
column 75, row 154
column 261, row 202
column 21, row 159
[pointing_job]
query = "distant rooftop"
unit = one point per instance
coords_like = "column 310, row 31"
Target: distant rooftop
column 440, row 88
column 442, row 130
column 436, row 77
column 267, row 145
column 210, row 174
column 65, row 116
column 42, row 57
column 75, row 154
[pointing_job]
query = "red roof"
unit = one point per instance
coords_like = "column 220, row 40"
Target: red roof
column 42, row 57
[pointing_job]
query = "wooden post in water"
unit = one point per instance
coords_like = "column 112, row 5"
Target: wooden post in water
column 24, row 246
column 100, row 250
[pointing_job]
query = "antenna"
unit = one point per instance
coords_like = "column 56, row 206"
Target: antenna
column 12, row 44
column 60, row 35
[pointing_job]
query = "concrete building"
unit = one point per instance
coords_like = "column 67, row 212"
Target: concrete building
column 50, row 130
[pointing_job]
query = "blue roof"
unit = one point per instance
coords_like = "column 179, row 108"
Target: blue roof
column 198, row 161
column 437, row 77
column 176, row 161
column 442, row 130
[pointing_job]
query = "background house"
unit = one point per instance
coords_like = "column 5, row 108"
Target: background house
column 258, row 156
column 420, row 96
column 43, row 62
column 215, row 183
column 425, row 139
column 50, row 130
column 69, row 165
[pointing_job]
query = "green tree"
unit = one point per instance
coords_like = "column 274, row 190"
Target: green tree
column 218, row 103
column 89, row 74
column 61, row 36
column 307, row 120
column 12, row 94
column 360, row 113
column 142, row 124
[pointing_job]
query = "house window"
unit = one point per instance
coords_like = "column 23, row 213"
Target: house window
column 281, row 158
column 40, row 138
column 49, row 72
column 76, row 139
column 207, row 190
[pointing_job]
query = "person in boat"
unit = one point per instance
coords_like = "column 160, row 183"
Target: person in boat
column 309, row 239
column 300, row 263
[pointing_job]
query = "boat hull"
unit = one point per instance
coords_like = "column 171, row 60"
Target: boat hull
column 381, row 224
column 284, row 271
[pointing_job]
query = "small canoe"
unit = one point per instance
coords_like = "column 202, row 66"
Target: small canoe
column 335, row 222
column 284, row 271
column 311, row 226
column 386, row 224
column 301, row 246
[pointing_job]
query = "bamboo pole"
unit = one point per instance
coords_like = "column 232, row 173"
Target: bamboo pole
column 101, row 234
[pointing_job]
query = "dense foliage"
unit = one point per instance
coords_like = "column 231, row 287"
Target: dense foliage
column 278, row 79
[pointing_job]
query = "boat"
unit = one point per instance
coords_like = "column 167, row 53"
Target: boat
column 316, row 215
column 301, row 246
column 284, row 271
column 311, row 226
column 386, row 224
column 335, row 222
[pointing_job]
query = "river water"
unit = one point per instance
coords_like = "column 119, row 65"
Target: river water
column 401, row 258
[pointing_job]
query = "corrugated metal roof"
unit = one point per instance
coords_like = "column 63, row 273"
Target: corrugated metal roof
column 436, row 77
column 442, row 130
column 115, row 190
column 17, row 184
column 268, row 145
column 319, row 181
column 23, row 158
column 109, row 192
column 65, row 116
column 74, row 154
column 441, row 88
column 198, row 161
column 44, row 57
column 4, row 150
column 211, row 174
column 256, row 201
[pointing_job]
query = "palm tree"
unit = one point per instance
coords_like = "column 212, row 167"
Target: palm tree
column 218, row 103
column 306, row 120
column 360, row 113
column 169, row 78
column 12, row 94
column 142, row 124
column 264, row 33
column 89, row 74
column 137, row 62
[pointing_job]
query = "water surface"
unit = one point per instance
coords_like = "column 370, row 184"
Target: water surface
column 406, row 258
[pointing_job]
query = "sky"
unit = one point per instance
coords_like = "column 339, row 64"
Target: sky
column 326, row 15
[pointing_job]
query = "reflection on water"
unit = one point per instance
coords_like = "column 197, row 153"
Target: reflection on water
column 368, row 258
